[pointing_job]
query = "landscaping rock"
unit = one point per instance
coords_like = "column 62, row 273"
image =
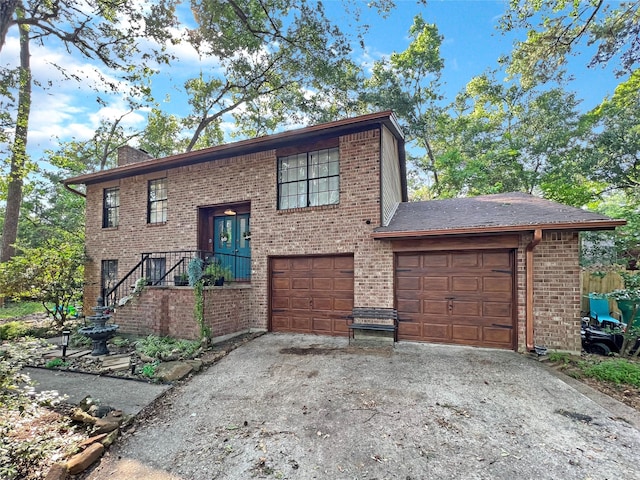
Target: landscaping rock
column 83, row 460
column 196, row 364
column 172, row 371
column 96, row 438
column 86, row 403
column 78, row 415
column 58, row 471
column 107, row 424
column 110, row 438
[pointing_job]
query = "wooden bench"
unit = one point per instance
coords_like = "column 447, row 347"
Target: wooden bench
column 373, row 313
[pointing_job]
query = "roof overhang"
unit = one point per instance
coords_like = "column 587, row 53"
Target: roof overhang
column 502, row 229
column 245, row 147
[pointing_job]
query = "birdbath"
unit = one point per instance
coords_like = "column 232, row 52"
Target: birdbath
column 98, row 332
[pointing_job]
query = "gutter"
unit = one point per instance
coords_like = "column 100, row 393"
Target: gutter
column 537, row 238
column 72, row 190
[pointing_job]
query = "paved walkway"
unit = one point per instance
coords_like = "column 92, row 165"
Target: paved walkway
column 130, row 396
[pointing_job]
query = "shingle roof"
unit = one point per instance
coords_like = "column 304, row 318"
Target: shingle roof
column 503, row 212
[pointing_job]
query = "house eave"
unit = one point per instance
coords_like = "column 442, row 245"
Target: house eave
column 501, row 229
column 244, row 147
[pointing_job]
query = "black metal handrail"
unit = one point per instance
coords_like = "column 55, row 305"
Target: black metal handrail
column 170, row 268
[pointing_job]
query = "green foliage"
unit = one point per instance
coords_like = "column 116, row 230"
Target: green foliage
column 215, row 271
column 560, row 357
column 52, row 274
column 166, row 347
column 12, row 330
column 194, row 270
column 56, row 363
column 619, row 371
column 149, row 369
column 557, row 29
column 20, row 309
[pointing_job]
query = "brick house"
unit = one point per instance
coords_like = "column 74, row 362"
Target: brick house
column 314, row 226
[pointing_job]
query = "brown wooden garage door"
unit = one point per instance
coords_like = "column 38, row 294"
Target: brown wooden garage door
column 311, row 294
column 464, row 297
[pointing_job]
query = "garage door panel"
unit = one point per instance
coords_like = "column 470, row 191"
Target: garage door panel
column 409, row 329
column 466, row 260
column 279, row 283
column 472, row 308
column 325, row 284
column 497, row 335
column 466, row 333
column 300, row 264
column 322, row 325
column 409, row 306
column 344, row 305
column 343, row 263
column 311, row 294
column 343, row 285
column 408, row 283
column 497, row 284
column 320, row 303
column 281, row 302
column 434, row 307
column 497, row 309
column 435, row 260
column 436, row 331
column 300, row 283
column 464, row 297
column 280, row 321
column 408, row 261
column 438, row 284
column 300, row 303
column 496, row 260
column 464, row 284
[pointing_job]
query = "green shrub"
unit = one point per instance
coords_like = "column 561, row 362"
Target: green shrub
column 149, row 369
column 618, row 371
column 55, row 363
column 12, row 330
column 164, row 347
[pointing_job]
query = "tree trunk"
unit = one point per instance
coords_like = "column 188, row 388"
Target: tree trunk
column 18, row 151
column 7, row 8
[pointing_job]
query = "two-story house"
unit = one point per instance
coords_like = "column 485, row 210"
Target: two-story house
column 314, row 226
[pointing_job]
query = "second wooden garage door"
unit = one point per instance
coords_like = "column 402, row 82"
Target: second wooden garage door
column 311, row 294
column 461, row 297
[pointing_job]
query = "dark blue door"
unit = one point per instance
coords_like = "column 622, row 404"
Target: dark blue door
column 232, row 244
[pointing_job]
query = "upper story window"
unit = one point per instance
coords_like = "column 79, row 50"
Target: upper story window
column 309, row 179
column 111, row 207
column 157, row 208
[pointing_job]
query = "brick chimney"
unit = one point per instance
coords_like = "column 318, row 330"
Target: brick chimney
column 127, row 155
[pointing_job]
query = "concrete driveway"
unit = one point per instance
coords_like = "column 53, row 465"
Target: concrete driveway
column 302, row 407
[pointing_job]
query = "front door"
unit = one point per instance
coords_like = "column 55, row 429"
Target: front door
column 232, row 244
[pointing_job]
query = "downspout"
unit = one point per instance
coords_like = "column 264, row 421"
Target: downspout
column 77, row 192
column 537, row 237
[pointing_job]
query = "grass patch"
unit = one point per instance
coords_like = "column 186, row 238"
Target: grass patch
column 166, row 347
column 559, row 357
column 20, row 309
column 618, row 371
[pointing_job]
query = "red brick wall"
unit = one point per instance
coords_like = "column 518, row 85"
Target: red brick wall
column 252, row 178
column 168, row 311
column 556, row 286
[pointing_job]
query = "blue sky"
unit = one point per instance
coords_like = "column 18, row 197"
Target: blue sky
column 471, row 45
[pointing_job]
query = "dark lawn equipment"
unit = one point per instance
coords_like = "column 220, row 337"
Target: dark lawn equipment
column 602, row 338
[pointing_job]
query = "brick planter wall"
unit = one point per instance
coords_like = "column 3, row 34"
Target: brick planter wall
column 168, row 311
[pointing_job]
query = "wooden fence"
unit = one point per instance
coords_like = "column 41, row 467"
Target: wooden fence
column 599, row 283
